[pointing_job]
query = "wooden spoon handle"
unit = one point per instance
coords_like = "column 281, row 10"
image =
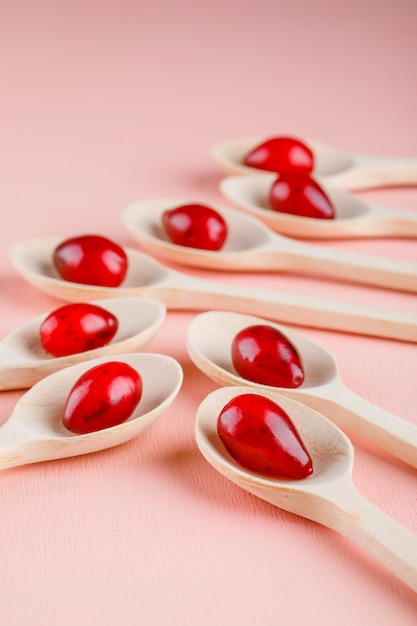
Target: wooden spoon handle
column 371, row 270
column 356, row 415
column 386, row 221
column 372, row 171
column 382, row 537
column 185, row 292
column 181, row 291
column 399, row 226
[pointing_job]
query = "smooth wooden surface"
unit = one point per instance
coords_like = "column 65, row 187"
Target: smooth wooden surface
column 334, row 167
column 354, row 216
column 147, row 277
column 327, row 496
column 209, row 339
column 23, row 360
column 104, row 104
column 249, row 246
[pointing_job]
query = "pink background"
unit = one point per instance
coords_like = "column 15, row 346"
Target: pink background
column 103, row 103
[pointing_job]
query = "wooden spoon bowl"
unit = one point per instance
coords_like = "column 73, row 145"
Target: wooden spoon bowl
column 34, row 432
column 338, row 168
column 355, row 218
column 23, row 360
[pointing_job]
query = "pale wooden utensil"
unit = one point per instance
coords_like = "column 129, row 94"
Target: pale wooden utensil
column 209, row 341
column 34, row 432
column 251, row 246
column 335, row 167
column 355, row 218
column 23, row 360
column 146, row 277
column 328, row 496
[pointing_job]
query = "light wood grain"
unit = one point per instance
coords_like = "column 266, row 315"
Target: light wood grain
column 146, row 277
column 354, row 217
column 34, row 432
column 328, row 496
column 251, row 246
column 23, row 360
column 335, row 167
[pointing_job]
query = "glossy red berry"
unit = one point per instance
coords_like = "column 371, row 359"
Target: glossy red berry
column 91, row 260
column 195, row 226
column 300, row 195
column 104, row 396
column 282, row 155
column 77, row 328
column 260, row 436
column 262, row 354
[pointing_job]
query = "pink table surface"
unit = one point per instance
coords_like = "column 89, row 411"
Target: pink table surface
column 103, row 103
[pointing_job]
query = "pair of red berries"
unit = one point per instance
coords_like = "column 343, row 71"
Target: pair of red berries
column 256, row 432
column 294, row 191
column 107, row 394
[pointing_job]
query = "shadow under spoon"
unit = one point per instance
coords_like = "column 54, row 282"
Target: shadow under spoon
column 209, row 341
column 332, row 166
column 34, row 432
column 23, row 360
column 328, row 496
column 147, row 277
column 251, row 246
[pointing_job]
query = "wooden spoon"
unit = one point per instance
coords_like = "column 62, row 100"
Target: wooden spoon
column 23, row 360
column 355, row 218
column 328, row 496
column 209, row 340
column 250, row 246
column 146, row 277
column 346, row 170
column 35, row 432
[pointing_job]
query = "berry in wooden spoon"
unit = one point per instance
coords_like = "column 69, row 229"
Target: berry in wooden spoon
column 300, row 195
column 104, row 396
column 261, row 437
column 195, row 226
column 282, row 155
column 77, row 328
column 91, row 260
column 262, row 354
